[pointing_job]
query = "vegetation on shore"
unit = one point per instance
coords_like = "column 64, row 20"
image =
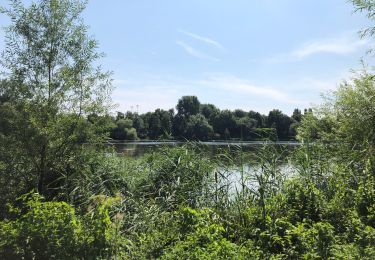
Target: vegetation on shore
column 196, row 121
column 63, row 196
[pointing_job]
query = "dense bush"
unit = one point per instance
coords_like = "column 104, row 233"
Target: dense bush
column 53, row 230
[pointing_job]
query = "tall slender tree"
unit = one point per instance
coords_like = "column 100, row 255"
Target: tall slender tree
column 48, row 60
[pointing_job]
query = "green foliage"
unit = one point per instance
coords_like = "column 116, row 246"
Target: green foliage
column 46, row 230
column 366, row 200
column 367, row 7
column 303, row 201
column 51, row 85
column 197, row 128
column 346, row 119
column 188, row 106
column 276, row 119
column 124, row 130
column 201, row 237
column 53, row 230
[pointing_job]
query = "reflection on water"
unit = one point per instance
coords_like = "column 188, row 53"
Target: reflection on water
column 236, row 178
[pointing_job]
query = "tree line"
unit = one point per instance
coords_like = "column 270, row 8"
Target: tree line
column 196, row 121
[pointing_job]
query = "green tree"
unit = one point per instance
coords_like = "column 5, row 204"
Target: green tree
column 367, row 7
column 198, row 128
column 48, row 60
column 140, row 127
column 224, row 123
column 154, row 126
column 276, row 119
column 209, row 111
column 346, row 120
column 245, row 127
column 124, row 130
column 188, row 106
column 297, row 115
column 261, row 119
column 165, row 118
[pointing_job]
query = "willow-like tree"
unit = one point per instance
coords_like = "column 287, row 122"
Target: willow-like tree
column 51, row 86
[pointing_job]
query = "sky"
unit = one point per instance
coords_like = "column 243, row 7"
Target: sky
column 251, row 55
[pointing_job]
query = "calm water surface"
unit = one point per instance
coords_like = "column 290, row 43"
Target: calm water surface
column 137, row 149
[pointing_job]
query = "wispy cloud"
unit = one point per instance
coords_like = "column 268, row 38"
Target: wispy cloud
column 145, row 95
column 194, row 52
column 203, row 39
column 245, row 87
column 226, row 91
column 342, row 45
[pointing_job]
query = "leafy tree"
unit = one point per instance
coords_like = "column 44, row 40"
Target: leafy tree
column 224, row 123
column 140, row 126
column 154, row 126
column 261, row 119
column 159, row 123
column 239, row 113
column 124, row 130
column 165, row 122
column 48, row 60
column 297, row 115
column 120, row 115
column 246, row 126
column 368, row 7
column 198, row 128
column 188, row 106
column 276, row 119
column 209, row 111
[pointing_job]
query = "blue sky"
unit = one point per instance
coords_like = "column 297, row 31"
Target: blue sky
column 254, row 55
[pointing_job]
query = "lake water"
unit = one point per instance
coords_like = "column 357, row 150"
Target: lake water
column 233, row 176
column 137, row 149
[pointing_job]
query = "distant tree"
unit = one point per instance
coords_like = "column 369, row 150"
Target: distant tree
column 188, row 106
column 120, row 115
column 297, row 115
column 124, row 130
column 140, row 127
column 154, row 130
column 279, row 121
column 209, row 111
column 158, row 124
column 261, row 119
column 246, row 127
column 198, row 128
column 224, row 123
column 239, row 113
column 103, row 124
column 166, row 119
column 131, row 115
column 131, row 134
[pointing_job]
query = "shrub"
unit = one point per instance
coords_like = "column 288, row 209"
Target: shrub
column 46, row 230
column 52, row 230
